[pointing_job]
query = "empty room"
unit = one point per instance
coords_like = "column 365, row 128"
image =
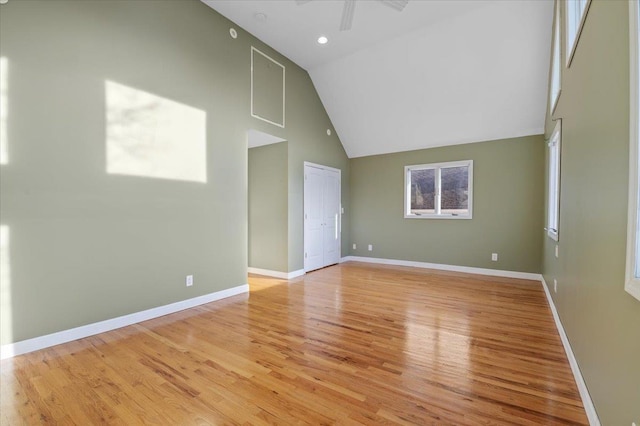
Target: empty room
column 317, row 212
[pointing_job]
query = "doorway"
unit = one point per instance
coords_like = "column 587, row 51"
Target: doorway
column 322, row 218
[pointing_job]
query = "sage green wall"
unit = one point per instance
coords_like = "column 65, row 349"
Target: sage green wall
column 600, row 318
column 268, row 205
column 268, row 91
column 317, row 147
column 508, row 179
column 86, row 245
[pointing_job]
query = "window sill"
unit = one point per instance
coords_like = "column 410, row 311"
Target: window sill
column 434, row 216
column 633, row 288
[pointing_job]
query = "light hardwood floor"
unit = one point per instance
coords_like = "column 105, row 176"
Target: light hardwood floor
column 348, row 344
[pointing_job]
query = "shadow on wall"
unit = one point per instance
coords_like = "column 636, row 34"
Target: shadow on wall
column 151, row 136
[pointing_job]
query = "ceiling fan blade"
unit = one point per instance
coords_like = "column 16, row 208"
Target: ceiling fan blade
column 347, row 15
column 395, row 4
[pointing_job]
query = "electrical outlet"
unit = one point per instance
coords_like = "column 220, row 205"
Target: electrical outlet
column 354, row 246
column 342, row 210
column 370, row 247
column 556, row 251
column 189, row 280
column 555, row 285
column 494, row 257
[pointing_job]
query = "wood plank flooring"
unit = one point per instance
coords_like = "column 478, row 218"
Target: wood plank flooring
column 349, row 344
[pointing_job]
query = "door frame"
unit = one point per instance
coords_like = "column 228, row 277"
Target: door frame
column 340, row 209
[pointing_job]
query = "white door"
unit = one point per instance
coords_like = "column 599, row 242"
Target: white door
column 331, row 213
column 313, row 218
column 321, row 216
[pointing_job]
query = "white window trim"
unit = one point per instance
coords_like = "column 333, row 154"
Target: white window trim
column 556, row 61
column 571, row 47
column 632, row 282
column 437, row 166
column 555, row 141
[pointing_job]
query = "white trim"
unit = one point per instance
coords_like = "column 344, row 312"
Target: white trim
column 306, row 164
column 589, row 408
column 14, row 349
column 437, row 167
column 283, row 89
column 553, row 204
column 571, row 50
column 632, row 283
column 277, row 274
column 556, row 61
column 443, row 267
column 323, row 167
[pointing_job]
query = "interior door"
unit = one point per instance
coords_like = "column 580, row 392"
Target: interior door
column 331, row 214
column 313, row 218
column 321, row 216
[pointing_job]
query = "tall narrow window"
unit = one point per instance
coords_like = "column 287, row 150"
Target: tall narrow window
column 576, row 12
column 439, row 190
column 553, row 213
column 554, row 87
column 632, row 282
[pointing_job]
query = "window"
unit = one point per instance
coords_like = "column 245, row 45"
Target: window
column 554, row 87
column 553, row 214
column 576, row 11
column 442, row 190
column 632, row 282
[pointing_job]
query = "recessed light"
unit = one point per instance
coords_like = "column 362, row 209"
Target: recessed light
column 233, row 33
column 323, row 40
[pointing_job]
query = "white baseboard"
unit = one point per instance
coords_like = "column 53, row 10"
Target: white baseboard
column 277, row 274
column 14, row 349
column 443, row 267
column 589, row 408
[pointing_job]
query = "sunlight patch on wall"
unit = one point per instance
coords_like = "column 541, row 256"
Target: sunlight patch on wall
column 151, row 136
column 6, row 316
column 4, row 110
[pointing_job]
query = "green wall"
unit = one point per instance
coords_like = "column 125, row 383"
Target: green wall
column 268, row 205
column 86, row 245
column 507, row 212
column 602, row 321
column 317, row 147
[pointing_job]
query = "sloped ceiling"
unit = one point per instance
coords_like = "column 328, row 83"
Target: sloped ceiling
column 438, row 73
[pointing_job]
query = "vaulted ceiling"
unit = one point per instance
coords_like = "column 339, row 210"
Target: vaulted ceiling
column 439, row 72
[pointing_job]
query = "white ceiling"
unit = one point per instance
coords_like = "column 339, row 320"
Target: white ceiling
column 440, row 72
